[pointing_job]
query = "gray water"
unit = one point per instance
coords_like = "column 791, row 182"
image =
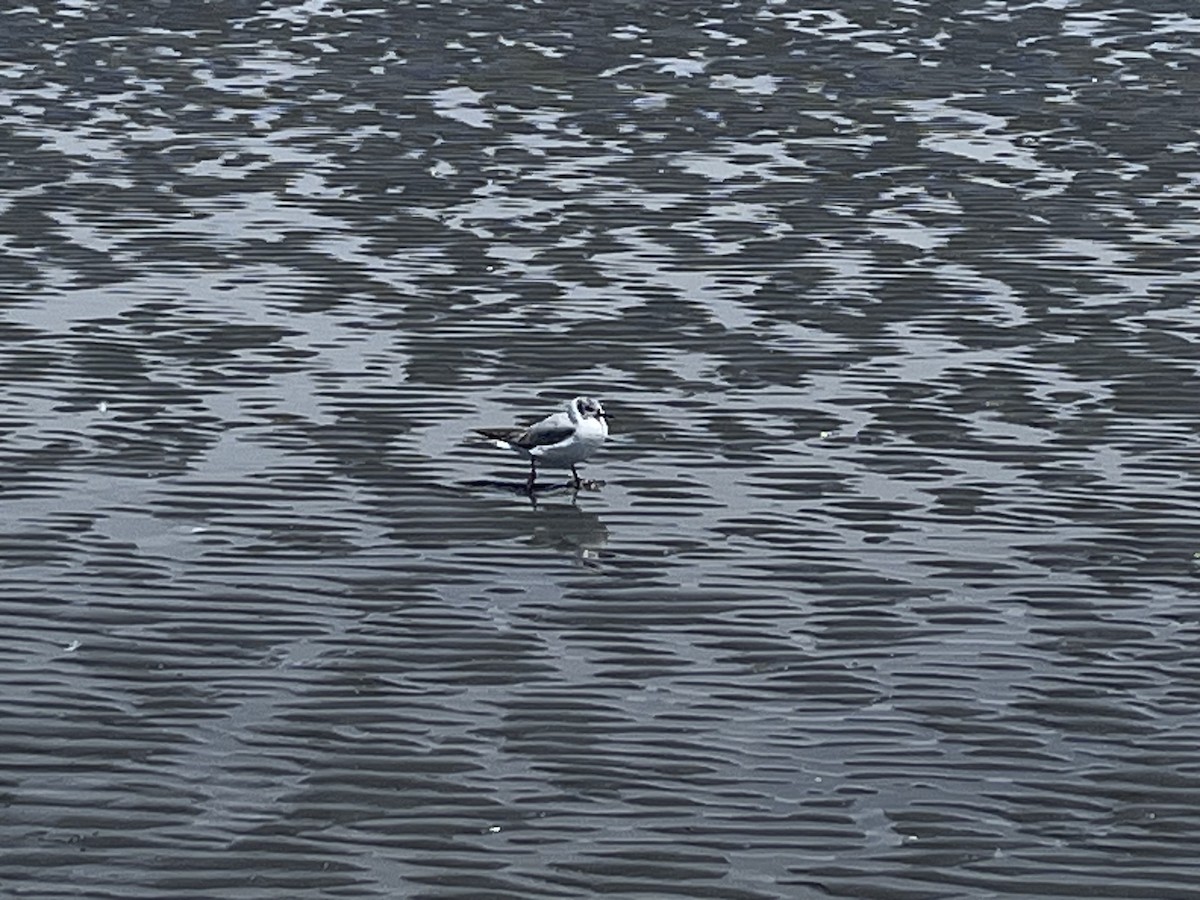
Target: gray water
column 890, row 590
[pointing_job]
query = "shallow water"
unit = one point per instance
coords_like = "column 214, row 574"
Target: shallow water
column 890, row 588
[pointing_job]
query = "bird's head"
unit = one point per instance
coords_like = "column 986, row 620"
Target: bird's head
column 588, row 408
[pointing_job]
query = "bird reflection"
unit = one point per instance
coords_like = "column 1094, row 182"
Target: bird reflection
column 566, row 528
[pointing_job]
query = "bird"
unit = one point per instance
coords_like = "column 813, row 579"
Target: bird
column 561, row 440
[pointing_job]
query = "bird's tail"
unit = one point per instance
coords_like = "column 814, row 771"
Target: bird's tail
column 499, row 437
column 504, row 435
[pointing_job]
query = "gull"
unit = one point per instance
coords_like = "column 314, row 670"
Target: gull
column 560, row 441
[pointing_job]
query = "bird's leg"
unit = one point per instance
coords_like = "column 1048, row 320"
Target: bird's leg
column 575, row 475
column 532, row 476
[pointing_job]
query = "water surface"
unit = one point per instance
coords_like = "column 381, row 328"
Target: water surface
column 890, row 588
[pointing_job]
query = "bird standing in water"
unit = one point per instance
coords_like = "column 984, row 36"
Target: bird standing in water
column 559, row 441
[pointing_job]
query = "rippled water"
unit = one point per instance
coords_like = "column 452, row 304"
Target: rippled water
column 890, row 590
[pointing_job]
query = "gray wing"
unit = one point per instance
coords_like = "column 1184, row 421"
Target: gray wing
column 551, row 430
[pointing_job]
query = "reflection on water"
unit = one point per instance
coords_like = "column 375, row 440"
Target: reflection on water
column 889, row 587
